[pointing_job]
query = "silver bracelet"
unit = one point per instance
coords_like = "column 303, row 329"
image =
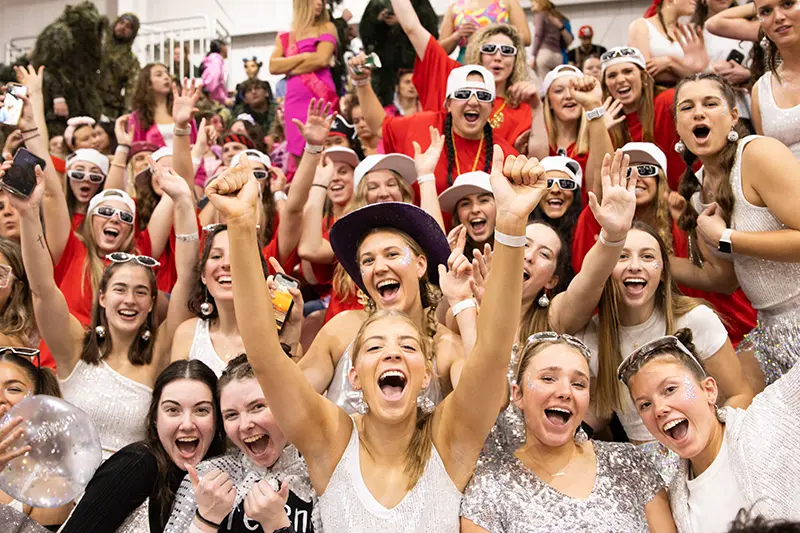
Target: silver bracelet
column 188, row 237
column 463, row 305
column 611, row 244
column 314, row 149
column 512, row 241
column 595, row 113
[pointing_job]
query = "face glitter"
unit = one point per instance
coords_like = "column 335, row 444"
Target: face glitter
column 405, row 259
column 689, row 389
column 530, row 384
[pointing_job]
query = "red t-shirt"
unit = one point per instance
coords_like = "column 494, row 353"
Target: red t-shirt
column 337, row 305
column 323, row 272
column 271, row 250
column 400, row 132
column 738, row 315
column 430, row 79
column 77, row 220
column 581, row 159
column 664, row 133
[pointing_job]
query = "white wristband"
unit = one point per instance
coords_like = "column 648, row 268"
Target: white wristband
column 314, row 148
column 462, row 305
column 280, row 196
column 610, row 244
column 512, row 241
column 425, row 178
column 60, row 100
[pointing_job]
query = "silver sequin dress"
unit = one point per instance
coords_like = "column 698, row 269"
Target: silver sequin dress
column 341, row 392
column 779, row 123
column 773, row 287
column 504, row 496
column 289, row 467
column 348, row 507
column 117, row 405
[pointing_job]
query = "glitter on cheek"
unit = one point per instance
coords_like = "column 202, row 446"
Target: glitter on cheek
column 530, row 384
column 689, row 389
column 405, row 259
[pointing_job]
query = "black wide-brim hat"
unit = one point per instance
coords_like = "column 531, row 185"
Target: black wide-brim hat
column 348, row 231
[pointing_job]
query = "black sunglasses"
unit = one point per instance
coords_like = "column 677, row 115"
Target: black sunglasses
column 644, row 171
column 466, row 94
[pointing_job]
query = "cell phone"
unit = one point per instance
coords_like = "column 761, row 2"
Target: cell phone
column 11, row 111
column 282, row 301
column 373, row 62
column 736, row 56
column 16, row 89
column 21, row 177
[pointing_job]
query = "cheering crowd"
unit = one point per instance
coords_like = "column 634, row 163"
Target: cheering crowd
column 530, row 289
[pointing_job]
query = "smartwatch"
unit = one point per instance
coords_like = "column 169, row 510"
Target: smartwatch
column 597, row 112
column 725, row 246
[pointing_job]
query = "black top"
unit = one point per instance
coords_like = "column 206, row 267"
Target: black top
column 578, row 55
column 118, row 488
column 298, row 510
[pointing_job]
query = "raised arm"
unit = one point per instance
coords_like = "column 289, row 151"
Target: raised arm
column 426, row 164
column 588, row 93
column 466, row 416
column 184, row 106
column 314, row 131
column 123, row 130
column 573, row 308
column 318, row 428
column 312, row 246
column 735, row 23
column 371, row 107
column 519, row 21
column 448, row 36
column 63, row 333
column 187, row 250
column 55, row 211
column 411, row 25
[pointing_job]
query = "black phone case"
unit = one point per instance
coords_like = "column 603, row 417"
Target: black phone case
column 21, row 177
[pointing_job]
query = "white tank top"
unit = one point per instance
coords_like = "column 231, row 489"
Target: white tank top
column 782, row 124
column 347, row 506
column 203, row 350
column 767, row 284
column 660, row 45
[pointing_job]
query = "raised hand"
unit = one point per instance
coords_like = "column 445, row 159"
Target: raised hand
column 518, row 184
column 481, row 266
column 615, row 214
column 426, row 162
column 324, row 172
column 184, row 103
column 30, row 204
column 13, row 140
column 30, row 78
column 455, row 280
column 357, row 65
column 586, row 91
column 277, row 179
column 123, row 130
column 266, row 506
column 525, row 91
column 214, row 492
column 695, row 55
column 170, row 182
column 234, row 193
column 318, row 122
column 614, row 113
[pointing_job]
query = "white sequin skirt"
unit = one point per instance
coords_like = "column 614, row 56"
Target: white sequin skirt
column 775, row 340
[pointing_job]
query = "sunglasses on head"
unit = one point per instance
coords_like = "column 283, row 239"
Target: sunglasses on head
column 565, row 184
column 80, row 175
column 27, row 353
column 505, row 49
column 644, row 171
column 6, row 273
column 466, row 94
column 123, row 257
column 552, row 336
column 620, row 52
column 106, row 211
column 669, row 341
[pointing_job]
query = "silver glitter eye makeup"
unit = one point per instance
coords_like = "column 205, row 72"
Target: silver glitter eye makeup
column 689, row 389
column 405, row 259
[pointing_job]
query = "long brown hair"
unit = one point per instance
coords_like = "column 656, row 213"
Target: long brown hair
column 44, row 379
column 146, row 199
column 619, row 133
column 96, row 348
column 144, row 100
column 16, row 317
column 607, row 394
column 419, row 449
column 689, row 184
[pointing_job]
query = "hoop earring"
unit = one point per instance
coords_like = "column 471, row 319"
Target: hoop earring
column 206, row 308
column 680, row 147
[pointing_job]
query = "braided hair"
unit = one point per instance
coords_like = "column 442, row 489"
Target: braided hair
column 450, row 149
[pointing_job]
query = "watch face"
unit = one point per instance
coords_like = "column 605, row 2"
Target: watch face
column 725, row 247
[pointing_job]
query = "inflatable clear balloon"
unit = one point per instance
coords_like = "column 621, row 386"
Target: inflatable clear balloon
column 65, row 452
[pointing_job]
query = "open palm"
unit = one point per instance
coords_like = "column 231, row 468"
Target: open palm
column 615, row 214
column 318, row 122
column 184, row 104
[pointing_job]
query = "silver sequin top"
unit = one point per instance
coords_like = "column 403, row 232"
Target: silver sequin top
column 341, row 392
column 289, row 467
column 504, row 496
column 782, row 124
column 766, row 283
column 763, row 453
column 117, row 405
column 203, row 349
column 348, row 506
column 138, row 521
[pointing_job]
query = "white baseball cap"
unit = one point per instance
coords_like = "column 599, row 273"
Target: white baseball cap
column 402, row 164
column 646, row 153
column 89, row 155
column 458, row 80
column 112, row 194
column 164, row 151
column 464, row 185
column 560, row 71
column 342, row 154
column 622, row 54
column 567, row 165
column 253, row 155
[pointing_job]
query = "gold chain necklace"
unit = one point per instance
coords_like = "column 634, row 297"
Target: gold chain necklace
column 497, row 118
column 563, row 471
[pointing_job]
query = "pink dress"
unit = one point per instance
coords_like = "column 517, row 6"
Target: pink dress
column 301, row 88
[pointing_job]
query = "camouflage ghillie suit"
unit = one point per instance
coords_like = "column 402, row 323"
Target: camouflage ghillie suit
column 71, row 49
column 119, row 70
